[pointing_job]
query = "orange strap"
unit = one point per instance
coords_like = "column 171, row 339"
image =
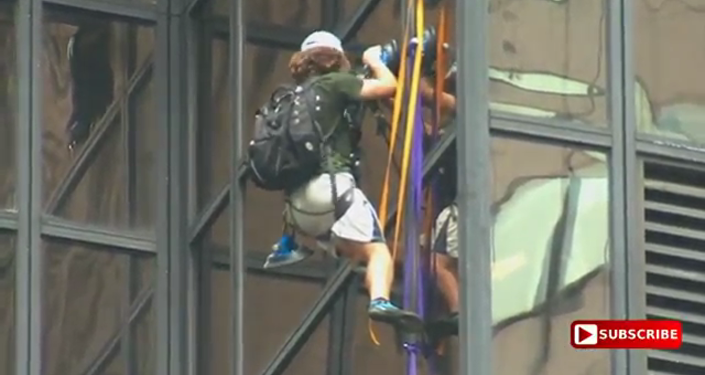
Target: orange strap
column 396, row 117
column 441, row 62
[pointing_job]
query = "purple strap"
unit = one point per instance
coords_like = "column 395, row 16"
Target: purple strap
column 414, row 265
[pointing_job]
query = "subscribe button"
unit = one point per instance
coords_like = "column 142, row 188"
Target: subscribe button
column 626, row 334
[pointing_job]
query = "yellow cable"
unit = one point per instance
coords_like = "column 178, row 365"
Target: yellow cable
column 411, row 117
column 396, row 115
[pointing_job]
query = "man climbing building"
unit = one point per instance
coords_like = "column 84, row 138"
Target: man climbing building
column 328, row 206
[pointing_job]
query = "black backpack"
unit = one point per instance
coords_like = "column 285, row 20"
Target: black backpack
column 289, row 146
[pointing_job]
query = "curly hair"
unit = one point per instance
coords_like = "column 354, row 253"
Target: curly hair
column 317, row 61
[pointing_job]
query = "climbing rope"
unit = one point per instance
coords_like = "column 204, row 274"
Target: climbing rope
column 418, row 266
column 393, row 136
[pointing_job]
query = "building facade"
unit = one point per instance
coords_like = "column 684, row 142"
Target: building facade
column 128, row 245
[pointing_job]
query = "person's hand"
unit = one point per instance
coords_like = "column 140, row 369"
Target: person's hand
column 372, row 55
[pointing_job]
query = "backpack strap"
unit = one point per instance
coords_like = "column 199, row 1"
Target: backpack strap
column 341, row 204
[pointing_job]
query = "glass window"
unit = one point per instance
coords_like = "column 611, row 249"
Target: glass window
column 7, row 303
column 99, row 132
column 275, row 307
column 214, row 127
column 8, row 104
column 301, row 13
column 549, row 257
column 670, row 86
column 215, row 291
column 98, row 315
column 547, row 59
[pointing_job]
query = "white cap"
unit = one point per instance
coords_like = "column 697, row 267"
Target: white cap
column 322, row 39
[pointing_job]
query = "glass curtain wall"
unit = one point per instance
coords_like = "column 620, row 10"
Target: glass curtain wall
column 128, row 244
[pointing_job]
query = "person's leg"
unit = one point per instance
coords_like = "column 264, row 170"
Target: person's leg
column 379, row 273
column 358, row 237
column 445, row 253
column 447, row 281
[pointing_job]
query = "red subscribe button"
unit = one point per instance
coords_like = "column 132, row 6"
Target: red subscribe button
column 626, row 334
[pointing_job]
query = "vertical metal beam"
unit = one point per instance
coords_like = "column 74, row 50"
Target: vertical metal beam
column 633, row 258
column 162, row 296
column 617, row 181
column 178, row 236
column 473, row 146
column 172, row 251
column 237, row 269
column 198, row 308
column 129, row 128
column 29, row 252
column 204, row 133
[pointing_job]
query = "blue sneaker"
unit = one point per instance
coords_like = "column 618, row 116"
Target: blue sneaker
column 286, row 252
column 381, row 310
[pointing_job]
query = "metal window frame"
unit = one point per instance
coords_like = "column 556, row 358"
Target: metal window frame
column 621, row 169
column 237, row 191
column 474, row 219
column 29, row 254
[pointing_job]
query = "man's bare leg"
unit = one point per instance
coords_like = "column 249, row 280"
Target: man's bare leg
column 378, row 279
column 447, row 280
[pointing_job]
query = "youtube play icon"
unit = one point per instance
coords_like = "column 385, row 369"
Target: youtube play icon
column 584, row 334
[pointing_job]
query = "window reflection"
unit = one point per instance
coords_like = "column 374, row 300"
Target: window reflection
column 214, row 128
column 550, row 255
column 274, row 309
column 99, row 123
column 547, row 59
column 300, row 13
column 8, row 104
column 670, row 88
column 92, row 298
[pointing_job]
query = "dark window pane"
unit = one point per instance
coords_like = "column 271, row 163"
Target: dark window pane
column 267, row 325
column 97, row 310
column 218, row 316
column 7, row 303
column 547, row 59
column 215, row 292
column 300, row 13
column 550, row 255
column 670, row 87
column 275, row 307
column 99, row 131
column 214, row 127
column 8, row 105
column 221, row 8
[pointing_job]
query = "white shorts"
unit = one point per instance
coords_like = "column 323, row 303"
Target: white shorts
column 445, row 232
column 310, row 210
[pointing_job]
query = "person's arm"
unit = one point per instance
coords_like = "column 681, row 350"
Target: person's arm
column 383, row 83
column 428, row 95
